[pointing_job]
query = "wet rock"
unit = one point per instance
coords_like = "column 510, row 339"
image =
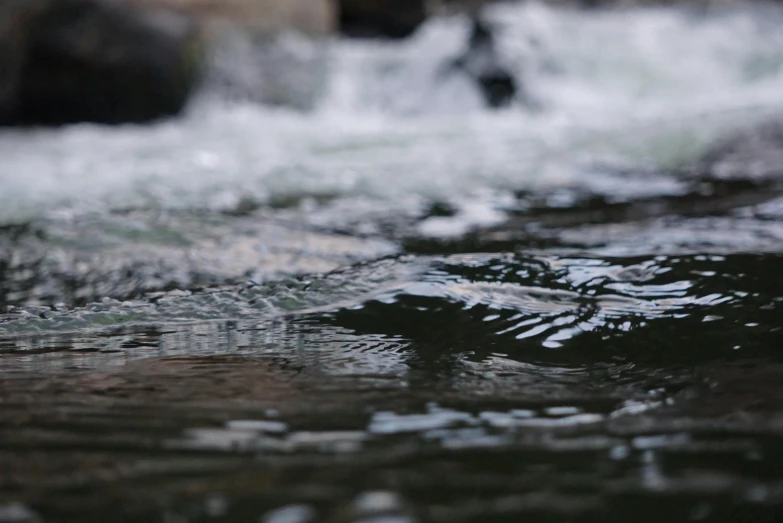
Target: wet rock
column 385, row 18
column 97, row 61
column 481, row 62
column 15, row 16
column 755, row 154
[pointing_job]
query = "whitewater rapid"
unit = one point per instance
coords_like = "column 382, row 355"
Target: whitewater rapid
column 643, row 87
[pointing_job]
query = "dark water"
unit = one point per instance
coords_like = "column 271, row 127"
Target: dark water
column 618, row 362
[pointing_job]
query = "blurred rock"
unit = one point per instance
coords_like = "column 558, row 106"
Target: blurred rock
column 10, row 63
column 388, row 18
column 481, row 62
column 15, row 16
column 94, row 60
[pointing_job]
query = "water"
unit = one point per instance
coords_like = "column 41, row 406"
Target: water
column 392, row 129
column 400, row 306
column 467, row 386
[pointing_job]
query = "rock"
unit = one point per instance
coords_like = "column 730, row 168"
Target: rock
column 15, row 17
column 481, row 62
column 10, row 64
column 387, row 18
column 100, row 61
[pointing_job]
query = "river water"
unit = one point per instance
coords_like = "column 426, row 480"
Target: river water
column 399, row 306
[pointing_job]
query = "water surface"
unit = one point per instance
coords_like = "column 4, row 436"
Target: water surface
column 403, row 307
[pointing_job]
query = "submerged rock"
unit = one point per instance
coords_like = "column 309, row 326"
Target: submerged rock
column 97, row 61
column 386, row 18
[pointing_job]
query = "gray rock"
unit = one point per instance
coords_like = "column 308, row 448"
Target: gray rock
column 97, row 61
column 481, row 62
column 15, row 16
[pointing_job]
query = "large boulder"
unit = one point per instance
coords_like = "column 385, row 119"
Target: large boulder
column 384, row 18
column 97, row 61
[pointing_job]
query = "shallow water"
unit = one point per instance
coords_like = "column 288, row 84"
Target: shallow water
column 401, row 307
column 462, row 387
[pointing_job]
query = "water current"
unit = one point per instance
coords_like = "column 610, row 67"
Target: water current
column 399, row 306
